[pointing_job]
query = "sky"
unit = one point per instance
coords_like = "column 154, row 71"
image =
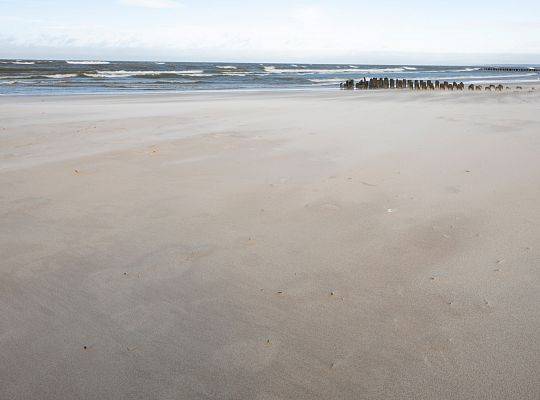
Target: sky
column 338, row 31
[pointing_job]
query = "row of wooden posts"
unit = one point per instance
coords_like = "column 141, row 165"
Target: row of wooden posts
column 512, row 69
column 385, row 83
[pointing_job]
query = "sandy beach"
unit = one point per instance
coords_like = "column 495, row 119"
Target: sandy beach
column 270, row 245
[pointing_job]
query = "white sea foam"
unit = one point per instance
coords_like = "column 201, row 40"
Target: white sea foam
column 505, row 82
column 465, row 70
column 87, row 62
column 234, row 73
column 327, row 80
column 485, row 76
column 274, row 70
column 410, row 68
column 18, row 62
column 61, row 76
column 226, row 67
column 127, row 74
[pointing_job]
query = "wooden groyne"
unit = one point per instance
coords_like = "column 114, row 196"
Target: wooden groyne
column 510, row 69
column 386, row 83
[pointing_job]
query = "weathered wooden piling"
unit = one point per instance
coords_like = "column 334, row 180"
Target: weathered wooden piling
column 348, row 84
column 418, row 84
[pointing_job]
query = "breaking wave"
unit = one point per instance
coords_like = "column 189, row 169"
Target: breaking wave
column 87, row 62
column 274, row 70
column 128, row 74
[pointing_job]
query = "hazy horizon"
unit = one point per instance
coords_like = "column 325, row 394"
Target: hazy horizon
column 210, row 61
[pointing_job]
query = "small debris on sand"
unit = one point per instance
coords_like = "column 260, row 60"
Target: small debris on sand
column 368, row 184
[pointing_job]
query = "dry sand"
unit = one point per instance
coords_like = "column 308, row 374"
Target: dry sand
column 286, row 245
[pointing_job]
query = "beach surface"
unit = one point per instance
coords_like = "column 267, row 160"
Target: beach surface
column 270, row 245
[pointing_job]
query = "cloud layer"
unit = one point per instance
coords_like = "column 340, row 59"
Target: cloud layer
column 279, row 31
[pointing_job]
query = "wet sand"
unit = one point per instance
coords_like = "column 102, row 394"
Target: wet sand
column 279, row 245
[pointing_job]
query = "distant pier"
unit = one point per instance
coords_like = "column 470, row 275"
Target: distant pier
column 511, row 69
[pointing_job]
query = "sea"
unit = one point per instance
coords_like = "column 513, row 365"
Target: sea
column 50, row 77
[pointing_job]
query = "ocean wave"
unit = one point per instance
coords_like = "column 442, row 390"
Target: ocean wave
column 505, row 81
column 128, row 74
column 226, row 67
column 18, row 62
column 327, row 80
column 480, row 77
column 410, row 69
column 234, row 73
column 274, row 70
column 87, row 62
column 60, row 76
column 465, row 70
